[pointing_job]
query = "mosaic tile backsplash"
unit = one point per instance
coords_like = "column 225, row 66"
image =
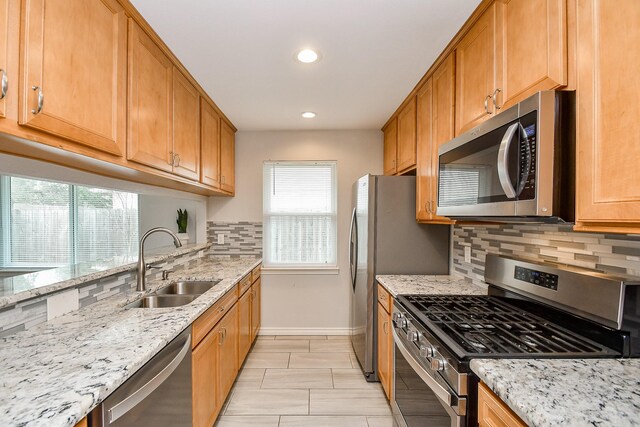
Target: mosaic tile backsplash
column 612, row 253
column 32, row 312
column 240, row 238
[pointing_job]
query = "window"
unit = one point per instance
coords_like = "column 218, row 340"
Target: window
column 49, row 224
column 300, row 213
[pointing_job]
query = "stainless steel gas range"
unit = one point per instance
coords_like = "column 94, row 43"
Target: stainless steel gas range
column 532, row 310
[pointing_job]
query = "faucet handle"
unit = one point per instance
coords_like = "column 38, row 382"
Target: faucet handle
column 165, row 274
column 148, row 266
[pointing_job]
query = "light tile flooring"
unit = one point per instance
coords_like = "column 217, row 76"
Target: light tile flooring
column 302, row 381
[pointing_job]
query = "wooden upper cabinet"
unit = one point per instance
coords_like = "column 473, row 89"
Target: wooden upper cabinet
column 390, row 147
column 186, row 127
column 4, row 56
column 210, row 143
column 608, row 149
column 73, row 71
column 227, row 157
column 535, row 48
column 150, row 136
column 479, row 70
column 436, row 110
column 406, row 150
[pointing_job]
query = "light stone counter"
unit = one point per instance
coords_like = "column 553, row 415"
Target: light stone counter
column 430, row 285
column 56, row 373
column 564, row 392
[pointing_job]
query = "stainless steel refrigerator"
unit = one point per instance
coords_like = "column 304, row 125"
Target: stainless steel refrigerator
column 386, row 239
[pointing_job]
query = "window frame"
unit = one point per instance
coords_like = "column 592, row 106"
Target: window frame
column 301, row 268
column 5, row 228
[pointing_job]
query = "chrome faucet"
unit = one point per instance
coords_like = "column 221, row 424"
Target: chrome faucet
column 142, row 267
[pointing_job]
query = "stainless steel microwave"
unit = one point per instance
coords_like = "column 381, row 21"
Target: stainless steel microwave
column 518, row 166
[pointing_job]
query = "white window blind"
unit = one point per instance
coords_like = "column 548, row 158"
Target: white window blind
column 52, row 224
column 300, row 214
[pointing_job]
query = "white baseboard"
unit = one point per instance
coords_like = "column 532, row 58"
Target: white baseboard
column 303, row 331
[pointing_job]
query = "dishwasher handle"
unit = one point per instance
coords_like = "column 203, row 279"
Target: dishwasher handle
column 127, row 404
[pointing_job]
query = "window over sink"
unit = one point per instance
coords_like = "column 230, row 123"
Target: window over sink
column 52, row 224
column 300, row 214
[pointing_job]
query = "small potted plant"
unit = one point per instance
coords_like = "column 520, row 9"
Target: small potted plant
column 182, row 221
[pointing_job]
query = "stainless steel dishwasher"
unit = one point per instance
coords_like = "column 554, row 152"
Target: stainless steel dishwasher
column 158, row 394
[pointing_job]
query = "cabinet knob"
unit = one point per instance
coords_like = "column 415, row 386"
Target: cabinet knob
column 4, row 84
column 38, row 108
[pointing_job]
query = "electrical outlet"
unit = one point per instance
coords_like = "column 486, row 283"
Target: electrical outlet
column 221, row 239
column 467, row 254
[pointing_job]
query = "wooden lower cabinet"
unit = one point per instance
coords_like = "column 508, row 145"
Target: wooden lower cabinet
column 493, row 412
column 227, row 330
column 385, row 348
column 256, row 314
column 204, row 360
column 244, row 326
column 82, row 423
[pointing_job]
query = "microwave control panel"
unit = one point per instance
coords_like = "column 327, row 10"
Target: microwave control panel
column 538, row 278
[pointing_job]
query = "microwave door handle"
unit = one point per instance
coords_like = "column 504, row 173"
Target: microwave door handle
column 503, row 162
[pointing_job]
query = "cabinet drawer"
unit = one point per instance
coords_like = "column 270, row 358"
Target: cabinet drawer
column 245, row 283
column 494, row 412
column 255, row 274
column 384, row 298
column 209, row 318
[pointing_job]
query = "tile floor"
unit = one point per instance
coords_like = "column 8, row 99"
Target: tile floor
column 302, row 381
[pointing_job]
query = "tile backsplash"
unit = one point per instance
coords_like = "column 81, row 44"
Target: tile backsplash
column 612, row 253
column 240, row 238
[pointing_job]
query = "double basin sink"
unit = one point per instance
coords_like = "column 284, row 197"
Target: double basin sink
column 175, row 295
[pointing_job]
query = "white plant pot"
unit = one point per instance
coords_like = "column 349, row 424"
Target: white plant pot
column 184, row 238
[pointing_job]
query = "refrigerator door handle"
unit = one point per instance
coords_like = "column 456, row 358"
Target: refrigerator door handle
column 353, row 249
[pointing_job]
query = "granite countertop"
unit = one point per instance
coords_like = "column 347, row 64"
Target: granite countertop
column 430, row 285
column 56, row 373
column 564, row 392
column 26, row 286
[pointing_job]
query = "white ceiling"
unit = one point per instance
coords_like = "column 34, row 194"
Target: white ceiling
column 242, row 53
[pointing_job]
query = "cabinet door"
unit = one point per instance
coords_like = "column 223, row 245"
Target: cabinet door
column 384, row 346
column 227, row 330
column 150, row 136
column 424, row 164
column 256, row 314
column 442, row 127
column 478, row 70
column 407, row 137
column 390, row 147
column 210, row 143
column 186, row 127
column 227, row 157
column 73, row 81
column 493, row 412
column 608, row 149
column 4, row 55
column 535, row 48
column 244, row 326
column 204, row 359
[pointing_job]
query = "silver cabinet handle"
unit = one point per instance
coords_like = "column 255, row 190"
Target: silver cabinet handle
column 4, row 83
column 222, row 179
column 121, row 408
column 172, row 158
column 486, row 104
column 38, row 109
column 221, row 337
column 176, row 160
column 426, row 207
column 493, row 97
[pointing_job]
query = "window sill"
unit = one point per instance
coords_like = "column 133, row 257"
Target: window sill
column 267, row 271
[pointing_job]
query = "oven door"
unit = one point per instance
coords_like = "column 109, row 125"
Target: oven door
column 420, row 396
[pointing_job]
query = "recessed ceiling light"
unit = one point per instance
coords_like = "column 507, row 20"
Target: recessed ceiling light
column 307, row 56
column 308, row 114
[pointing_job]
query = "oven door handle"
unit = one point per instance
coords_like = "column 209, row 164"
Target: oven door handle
column 442, row 393
column 503, row 160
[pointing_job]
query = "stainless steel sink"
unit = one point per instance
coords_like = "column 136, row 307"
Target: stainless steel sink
column 188, row 287
column 162, row 301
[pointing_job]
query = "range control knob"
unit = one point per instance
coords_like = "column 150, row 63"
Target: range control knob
column 438, row 364
column 402, row 323
column 413, row 336
column 427, row 350
column 397, row 316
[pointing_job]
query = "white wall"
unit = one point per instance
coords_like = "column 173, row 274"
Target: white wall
column 297, row 303
column 160, row 211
